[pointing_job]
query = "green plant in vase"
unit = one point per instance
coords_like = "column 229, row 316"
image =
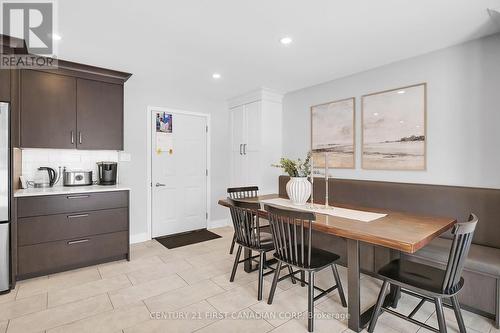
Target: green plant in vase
column 298, row 187
column 295, row 168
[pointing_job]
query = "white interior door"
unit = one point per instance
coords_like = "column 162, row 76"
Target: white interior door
column 179, row 177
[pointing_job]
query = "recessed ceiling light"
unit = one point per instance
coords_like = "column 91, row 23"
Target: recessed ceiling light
column 286, row 40
column 375, row 114
column 401, row 122
column 56, row 37
column 401, row 92
column 216, row 76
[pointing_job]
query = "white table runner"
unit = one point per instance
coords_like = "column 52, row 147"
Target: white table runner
column 351, row 214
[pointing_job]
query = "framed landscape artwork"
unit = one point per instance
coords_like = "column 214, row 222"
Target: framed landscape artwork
column 332, row 133
column 394, row 129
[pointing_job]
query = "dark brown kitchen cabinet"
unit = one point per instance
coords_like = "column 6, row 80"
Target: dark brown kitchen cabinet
column 71, row 203
column 99, row 113
column 48, row 110
column 4, row 85
column 51, row 257
column 49, row 228
column 61, row 232
column 72, row 106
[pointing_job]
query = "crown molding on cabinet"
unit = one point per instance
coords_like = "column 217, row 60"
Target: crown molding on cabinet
column 12, row 45
column 261, row 94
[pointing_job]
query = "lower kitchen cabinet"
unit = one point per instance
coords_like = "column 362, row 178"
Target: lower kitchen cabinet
column 61, row 232
column 49, row 228
column 44, row 258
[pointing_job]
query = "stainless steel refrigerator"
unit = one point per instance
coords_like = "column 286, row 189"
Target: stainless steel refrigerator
column 4, row 196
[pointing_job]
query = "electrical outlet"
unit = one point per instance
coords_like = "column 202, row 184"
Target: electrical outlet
column 125, row 157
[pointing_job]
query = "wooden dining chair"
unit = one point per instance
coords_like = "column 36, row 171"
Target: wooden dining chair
column 250, row 236
column 241, row 193
column 292, row 236
column 429, row 283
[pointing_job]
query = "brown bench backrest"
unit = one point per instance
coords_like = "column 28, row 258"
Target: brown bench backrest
column 434, row 200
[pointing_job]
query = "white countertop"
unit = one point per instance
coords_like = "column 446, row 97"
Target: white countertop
column 33, row 192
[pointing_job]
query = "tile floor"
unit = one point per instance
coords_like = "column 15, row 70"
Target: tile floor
column 186, row 290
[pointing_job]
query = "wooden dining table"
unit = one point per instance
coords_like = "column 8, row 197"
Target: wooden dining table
column 400, row 232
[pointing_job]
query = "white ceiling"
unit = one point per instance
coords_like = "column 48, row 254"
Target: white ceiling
column 181, row 43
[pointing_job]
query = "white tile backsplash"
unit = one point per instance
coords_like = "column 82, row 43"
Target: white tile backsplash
column 71, row 159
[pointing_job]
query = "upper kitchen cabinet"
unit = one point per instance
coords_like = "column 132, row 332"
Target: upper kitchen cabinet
column 99, row 113
column 48, row 110
column 4, row 85
column 74, row 107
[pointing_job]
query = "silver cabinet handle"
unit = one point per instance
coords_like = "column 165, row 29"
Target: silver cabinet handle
column 78, row 241
column 244, row 149
column 160, row 185
column 70, row 217
column 72, row 137
column 79, row 137
column 77, row 196
column 241, row 146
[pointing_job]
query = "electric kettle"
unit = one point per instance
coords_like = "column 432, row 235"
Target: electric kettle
column 46, row 177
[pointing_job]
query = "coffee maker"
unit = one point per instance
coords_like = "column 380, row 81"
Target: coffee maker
column 107, row 172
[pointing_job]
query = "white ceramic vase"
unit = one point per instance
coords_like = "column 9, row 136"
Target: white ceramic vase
column 298, row 190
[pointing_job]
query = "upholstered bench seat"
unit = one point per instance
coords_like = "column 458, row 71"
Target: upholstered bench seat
column 482, row 259
column 481, row 292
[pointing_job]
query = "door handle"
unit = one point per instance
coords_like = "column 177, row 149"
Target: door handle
column 160, row 185
column 78, row 241
column 72, row 137
column 80, row 137
column 241, row 146
column 77, row 216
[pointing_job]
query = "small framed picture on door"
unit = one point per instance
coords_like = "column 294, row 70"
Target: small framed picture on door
column 164, row 122
column 164, row 133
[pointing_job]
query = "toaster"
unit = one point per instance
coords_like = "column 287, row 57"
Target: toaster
column 77, row 178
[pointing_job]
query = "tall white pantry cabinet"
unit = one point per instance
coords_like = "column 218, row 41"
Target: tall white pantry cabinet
column 256, row 137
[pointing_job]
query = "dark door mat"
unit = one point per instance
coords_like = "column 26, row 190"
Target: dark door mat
column 187, row 238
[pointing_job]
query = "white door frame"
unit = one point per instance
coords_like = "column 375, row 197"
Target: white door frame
column 149, row 165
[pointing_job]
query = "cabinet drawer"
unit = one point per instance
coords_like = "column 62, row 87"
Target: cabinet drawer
column 40, row 229
column 70, row 203
column 60, row 255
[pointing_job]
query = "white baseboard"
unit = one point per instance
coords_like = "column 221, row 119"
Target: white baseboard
column 217, row 223
column 139, row 238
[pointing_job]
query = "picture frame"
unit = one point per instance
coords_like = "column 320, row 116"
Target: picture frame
column 164, row 122
column 333, row 130
column 394, row 129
